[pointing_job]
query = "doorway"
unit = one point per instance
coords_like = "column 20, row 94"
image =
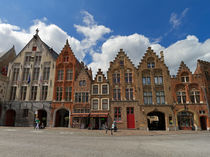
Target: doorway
column 10, row 117
column 203, row 123
column 156, row 120
column 62, row 118
column 130, row 118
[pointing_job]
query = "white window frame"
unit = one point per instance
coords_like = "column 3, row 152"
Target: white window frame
column 107, row 88
column 98, row 89
column 102, row 103
column 92, row 104
column 101, row 78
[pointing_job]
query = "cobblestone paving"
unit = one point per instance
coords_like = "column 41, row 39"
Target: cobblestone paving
column 67, row 142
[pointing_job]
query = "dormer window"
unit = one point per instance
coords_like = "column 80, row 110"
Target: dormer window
column 185, row 77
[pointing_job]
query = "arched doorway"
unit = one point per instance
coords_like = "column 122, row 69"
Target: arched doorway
column 42, row 115
column 156, row 120
column 10, row 117
column 203, row 123
column 185, row 120
column 62, row 118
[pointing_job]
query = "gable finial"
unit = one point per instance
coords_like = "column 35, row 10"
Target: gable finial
column 37, row 31
column 67, row 42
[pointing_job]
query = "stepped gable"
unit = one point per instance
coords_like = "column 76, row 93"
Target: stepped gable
column 10, row 53
column 87, row 71
column 150, row 52
column 204, row 62
column 183, row 68
column 99, row 72
column 67, row 48
column 120, row 53
column 37, row 38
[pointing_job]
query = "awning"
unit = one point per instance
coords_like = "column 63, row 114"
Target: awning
column 99, row 114
column 80, row 114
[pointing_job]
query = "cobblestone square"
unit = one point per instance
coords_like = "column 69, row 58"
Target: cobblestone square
column 66, row 142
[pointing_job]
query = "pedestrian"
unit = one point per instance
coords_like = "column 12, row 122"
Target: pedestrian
column 112, row 128
column 106, row 127
column 37, row 123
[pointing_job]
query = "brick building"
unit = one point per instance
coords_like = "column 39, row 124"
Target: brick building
column 190, row 106
column 30, row 86
column 81, row 103
column 99, row 116
column 124, row 107
column 67, row 70
column 154, row 93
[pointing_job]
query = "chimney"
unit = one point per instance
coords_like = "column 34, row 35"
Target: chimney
column 161, row 56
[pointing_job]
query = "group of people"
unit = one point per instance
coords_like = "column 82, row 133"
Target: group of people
column 38, row 124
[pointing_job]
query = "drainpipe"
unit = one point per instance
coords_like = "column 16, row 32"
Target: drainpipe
column 207, row 104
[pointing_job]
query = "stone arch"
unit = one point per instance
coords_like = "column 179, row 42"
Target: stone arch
column 56, row 114
column 156, row 120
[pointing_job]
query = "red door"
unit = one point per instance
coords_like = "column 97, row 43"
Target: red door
column 130, row 118
column 10, row 118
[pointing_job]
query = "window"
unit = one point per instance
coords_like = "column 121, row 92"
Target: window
column 65, row 58
column 59, row 91
column 104, row 89
column 27, row 58
column 100, row 79
column 44, row 92
column 121, row 63
column 68, row 93
column 95, row 89
column 82, row 83
column 95, row 104
column 25, row 74
column 46, row 73
column 81, row 97
column 129, row 93
column 60, row 75
column 117, row 113
column 158, row 80
column 181, row 97
column 15, row 74
column 36, row 74
column 146, row 80
column 13, row 93
column 23, row 92
column 207, row 75
column 128, row 77
column 69, row 74
column 185, row 77
column 195, row 96
column 33, row 92
column 25, row 113
column 104, row 104
column 34, row 48
column 116, row 78
column 147, row 97
column 150, row 64
column 38, row 59
column 160, row 97
column 117, row 94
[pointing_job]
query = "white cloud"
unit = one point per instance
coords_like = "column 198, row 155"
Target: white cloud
column 189, row 49
column 176, row 20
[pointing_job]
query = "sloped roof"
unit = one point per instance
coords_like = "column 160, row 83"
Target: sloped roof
column 183, row 67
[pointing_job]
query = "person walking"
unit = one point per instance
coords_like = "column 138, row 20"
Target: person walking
column 37, row 123
column 112, row 128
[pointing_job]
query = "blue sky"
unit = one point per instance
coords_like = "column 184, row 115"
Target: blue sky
column 180, row 28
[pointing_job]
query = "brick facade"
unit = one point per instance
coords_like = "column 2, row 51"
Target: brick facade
column 66, row 64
